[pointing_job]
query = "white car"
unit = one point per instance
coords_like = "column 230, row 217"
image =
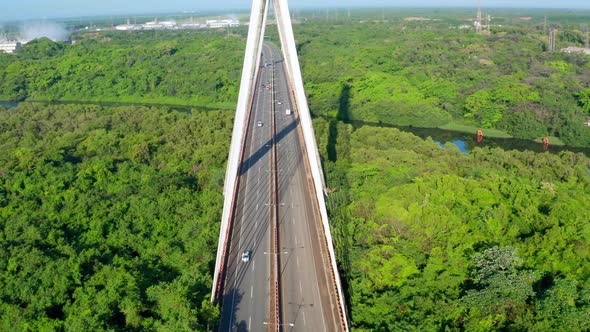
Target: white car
column 259, row 123
column 280, row 103
column 246, row 256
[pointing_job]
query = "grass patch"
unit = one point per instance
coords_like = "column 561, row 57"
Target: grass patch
column 453, row 126
column 552, row 141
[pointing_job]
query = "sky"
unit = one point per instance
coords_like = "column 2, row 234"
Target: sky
column 38, row 9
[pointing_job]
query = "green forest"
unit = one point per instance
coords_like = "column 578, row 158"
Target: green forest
column 431, row 239
column 428, row 72
column 163, row 67
column 432, row 75
column 109, row 215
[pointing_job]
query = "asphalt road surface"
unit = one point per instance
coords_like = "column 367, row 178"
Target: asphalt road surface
column 307, row 292
column 245, row 305
column 306, row 303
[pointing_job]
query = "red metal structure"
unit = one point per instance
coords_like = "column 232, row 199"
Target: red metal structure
column 479, row 136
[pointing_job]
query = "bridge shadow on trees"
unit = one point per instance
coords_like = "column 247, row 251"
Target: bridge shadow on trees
column 336, row 179
column 343, row 115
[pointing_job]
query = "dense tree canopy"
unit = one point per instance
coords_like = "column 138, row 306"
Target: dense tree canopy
column 109, row 217
column 196, row 68
column 432, row 74
column 431, row 239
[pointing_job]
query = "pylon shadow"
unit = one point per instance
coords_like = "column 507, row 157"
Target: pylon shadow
column 265, row 148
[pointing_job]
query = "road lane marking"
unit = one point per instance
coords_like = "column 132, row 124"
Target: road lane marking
column 300, row 288
column 249, row 323
column 304, row 322
column 297, row 261
column 251, row 291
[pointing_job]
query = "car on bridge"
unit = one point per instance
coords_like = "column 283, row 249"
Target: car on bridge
column 259, row 124
column 246, row 256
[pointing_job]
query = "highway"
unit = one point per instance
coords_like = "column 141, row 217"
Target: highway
column 308, row 294
column 246, row 291
column 306, row 303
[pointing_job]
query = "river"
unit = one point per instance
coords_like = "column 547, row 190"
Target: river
column 467, row 142
column 180, row 108
column 464, row 141
column 9, row 103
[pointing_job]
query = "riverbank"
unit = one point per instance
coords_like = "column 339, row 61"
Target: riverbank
column 495, row 133
column 466, row 140
column 182, row 107
column 463, row 136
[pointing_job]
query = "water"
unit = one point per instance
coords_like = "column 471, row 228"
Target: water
column 180, row 108
column 9, row 104
column 462, row 145
column 466, row 142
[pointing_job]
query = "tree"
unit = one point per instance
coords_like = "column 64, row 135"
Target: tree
column 583, row 98
column 502, row 290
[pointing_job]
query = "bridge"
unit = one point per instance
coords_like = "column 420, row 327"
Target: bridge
column 275, row 268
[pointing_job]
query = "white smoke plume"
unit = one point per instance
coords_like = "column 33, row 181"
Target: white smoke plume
column 34, row 30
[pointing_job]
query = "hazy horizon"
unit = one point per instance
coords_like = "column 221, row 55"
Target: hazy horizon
column 39, row 9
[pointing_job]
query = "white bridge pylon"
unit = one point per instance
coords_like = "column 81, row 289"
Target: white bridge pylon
column 250, row 70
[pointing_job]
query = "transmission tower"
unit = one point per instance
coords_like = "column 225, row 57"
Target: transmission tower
column 478, row 18
column 552, row 35
column 586, row 35
column 545, row 25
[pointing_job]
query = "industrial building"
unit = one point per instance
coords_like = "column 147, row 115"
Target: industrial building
column 9, row 46
column 172, row 25
column 156, row 25
column 223, row 23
